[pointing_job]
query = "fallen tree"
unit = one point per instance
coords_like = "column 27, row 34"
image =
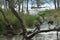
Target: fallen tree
column 25, row 35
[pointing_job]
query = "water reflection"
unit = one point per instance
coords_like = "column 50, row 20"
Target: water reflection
column 17, row 37
column 41, row 36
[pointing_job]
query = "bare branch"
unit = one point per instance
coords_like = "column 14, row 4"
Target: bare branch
column 34, row 33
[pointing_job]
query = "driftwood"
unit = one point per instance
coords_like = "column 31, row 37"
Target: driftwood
column 40, row 31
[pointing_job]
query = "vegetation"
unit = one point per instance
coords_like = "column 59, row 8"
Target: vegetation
column 12, row 22
column 28, row 19
column 48, row 13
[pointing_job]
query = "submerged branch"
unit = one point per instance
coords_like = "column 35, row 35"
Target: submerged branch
column 41, row 31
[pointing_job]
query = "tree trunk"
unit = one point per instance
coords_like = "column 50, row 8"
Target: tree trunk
column 18, row 17
column 27, row 6
column 5, row 4
column 38, row 3
column 22, row 7
column 55, row 4
column 19, row 5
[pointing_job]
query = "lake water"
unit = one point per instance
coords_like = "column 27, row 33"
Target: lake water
column 40, row 36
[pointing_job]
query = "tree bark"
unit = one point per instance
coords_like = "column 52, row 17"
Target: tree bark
column 23, row 26
column 18, row 17
column 22, row 7
column 27, row 6
column 55, row 4
column 19, row 5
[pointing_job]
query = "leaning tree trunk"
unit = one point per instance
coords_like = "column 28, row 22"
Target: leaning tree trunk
column 25, row 35
column 11, row 5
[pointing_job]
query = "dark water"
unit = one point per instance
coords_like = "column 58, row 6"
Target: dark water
column 40, row 36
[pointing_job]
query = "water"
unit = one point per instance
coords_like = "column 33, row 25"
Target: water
column 17, row 37
column 39, row 36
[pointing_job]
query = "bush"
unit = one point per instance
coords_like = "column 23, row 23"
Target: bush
column 29, row 20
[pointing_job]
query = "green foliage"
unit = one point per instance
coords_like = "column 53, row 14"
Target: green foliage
column 46, row 12
column 11, row 18
column 50, row 13
column 2, row 25
column 29, row 20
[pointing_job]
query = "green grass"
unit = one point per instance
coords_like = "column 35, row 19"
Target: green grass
column 29, row 20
